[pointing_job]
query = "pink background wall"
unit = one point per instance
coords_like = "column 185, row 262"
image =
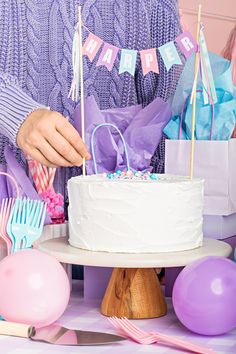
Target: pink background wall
column 218, row 16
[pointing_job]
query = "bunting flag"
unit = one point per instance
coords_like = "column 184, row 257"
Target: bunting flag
column 128, row 61
column 186, row 44
column 92, row 46
column 108, row 56
column 128, row 58
column 169, row 55
column 149, row 60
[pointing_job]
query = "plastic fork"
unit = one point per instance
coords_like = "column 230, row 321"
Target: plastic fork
column 16, row 224
column 128, row 329
column 5, row 211
column 36, row 213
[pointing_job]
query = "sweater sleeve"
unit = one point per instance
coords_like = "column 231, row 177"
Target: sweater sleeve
column 15, row 106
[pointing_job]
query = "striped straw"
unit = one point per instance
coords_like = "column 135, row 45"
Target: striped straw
column 45, row 170
column 41, row 176
column 36, row 179
column 52, row 172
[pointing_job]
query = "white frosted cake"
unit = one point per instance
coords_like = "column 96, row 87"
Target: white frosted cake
column 158, row 213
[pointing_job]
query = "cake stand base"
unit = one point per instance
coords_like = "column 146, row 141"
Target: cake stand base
column 134, row 293
column 134, row 290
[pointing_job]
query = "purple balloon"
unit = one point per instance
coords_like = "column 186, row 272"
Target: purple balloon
column 204, row 296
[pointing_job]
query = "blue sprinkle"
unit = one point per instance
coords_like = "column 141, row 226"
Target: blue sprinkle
column 110, row 175
column 118, row 172
column 153, row 176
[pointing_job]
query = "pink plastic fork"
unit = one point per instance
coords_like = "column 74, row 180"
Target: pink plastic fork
column 4, row 216
column 127, row 328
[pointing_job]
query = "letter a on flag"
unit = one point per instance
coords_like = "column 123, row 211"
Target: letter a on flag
column 108, row 56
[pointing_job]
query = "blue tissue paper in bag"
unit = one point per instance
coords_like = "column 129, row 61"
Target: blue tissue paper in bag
column 224, row 110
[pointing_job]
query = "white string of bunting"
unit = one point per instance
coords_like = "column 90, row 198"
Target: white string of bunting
column 149, row 57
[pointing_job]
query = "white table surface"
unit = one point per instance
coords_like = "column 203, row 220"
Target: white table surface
column 85, row 314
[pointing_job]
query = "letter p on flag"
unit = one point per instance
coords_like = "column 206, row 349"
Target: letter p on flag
column 149, row 61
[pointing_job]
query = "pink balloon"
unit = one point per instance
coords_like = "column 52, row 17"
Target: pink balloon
column 34, row 288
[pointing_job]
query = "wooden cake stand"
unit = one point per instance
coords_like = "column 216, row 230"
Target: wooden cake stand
column 134, row 290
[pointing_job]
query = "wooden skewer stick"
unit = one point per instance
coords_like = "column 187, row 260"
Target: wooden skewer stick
column 196, row 68
column 81, row 82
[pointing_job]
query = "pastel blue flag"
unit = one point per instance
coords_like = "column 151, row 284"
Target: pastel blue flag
column 169, row 55
column 128, row 61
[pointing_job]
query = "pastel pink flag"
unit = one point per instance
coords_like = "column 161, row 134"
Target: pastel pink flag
column 149, row 61
column 108, row 56
column 92, row 46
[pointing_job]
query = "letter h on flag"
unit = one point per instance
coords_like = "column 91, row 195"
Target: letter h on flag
column 92, row 46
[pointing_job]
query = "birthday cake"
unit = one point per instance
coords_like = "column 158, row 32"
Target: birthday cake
column 134, row 212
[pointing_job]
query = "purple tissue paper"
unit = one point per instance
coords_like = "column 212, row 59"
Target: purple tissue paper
column 141, row 128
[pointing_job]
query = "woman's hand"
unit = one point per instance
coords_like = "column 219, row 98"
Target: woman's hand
column 49, row 138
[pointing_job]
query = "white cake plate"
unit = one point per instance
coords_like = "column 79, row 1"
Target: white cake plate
column 60, row 249
column 134, row 290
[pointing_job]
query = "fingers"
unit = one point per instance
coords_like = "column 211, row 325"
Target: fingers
column 55, row 158
column 73, row 137
column 65, row 149
column 49, row 138
column 38, row 156
column 47, row 155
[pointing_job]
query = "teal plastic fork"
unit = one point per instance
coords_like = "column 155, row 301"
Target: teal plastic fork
column 16, row 226
column 26, row 223
column 36, row 213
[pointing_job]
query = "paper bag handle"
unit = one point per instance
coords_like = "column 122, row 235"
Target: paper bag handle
column 14, row 182
column 92, row 144
column 182, row 114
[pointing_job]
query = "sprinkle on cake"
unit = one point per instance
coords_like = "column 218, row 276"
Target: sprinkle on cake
column 131, row 175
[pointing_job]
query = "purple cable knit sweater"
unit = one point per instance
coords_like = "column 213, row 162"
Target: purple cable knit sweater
column 35, row 59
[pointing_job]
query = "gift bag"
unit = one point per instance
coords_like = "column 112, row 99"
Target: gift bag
column 214, row 154
column 214, row 161
column 213, row 121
